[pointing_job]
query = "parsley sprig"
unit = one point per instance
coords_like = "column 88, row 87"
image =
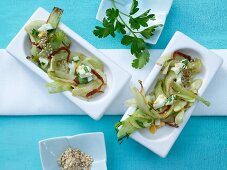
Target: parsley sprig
column 113, row 23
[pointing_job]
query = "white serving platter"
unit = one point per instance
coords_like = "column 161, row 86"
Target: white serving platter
column 19, row 101
column 160, row 8
column 117, row 78
column 162, row 141
column 92, row 144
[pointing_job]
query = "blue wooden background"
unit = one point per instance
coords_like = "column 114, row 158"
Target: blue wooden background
column 203, row 142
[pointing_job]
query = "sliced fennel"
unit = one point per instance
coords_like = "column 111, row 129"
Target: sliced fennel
column 168, row 101
column 50, row 50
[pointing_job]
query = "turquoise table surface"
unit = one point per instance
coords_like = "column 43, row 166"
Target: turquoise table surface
column 203, row 142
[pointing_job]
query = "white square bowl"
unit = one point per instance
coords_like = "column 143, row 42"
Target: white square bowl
column 92, row 144
column 116, row 76
column 162, row 141
column 158, row 7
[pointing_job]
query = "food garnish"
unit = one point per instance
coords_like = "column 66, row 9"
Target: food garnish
column 74, row 159
column 174, row 93
column 137, row 27
column 70, row 71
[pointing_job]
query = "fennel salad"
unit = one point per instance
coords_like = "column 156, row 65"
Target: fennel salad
column 173, row 94
column 70, row 71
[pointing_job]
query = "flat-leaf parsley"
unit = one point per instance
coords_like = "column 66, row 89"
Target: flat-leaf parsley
column 113, row 22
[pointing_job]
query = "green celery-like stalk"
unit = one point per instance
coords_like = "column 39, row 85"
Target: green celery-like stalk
column 188, row 93
column 55, row 17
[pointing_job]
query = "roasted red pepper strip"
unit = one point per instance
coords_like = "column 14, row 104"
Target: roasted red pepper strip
column 37, row 45
column 172, row 124
column 60, row 49
column 165, row 110
column 76, row 81
column 182, row 55
column 99, row 88
column 97, row 75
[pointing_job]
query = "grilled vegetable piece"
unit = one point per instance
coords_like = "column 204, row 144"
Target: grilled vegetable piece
column 142, row 103
column 136, row 121
column 188, row 93
column 55, row 17
column 169, row 79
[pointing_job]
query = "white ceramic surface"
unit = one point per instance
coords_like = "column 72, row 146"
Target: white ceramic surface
column 92, row 144
column 162, row 141
column 19, row 101
column 159, row 7
column 19, row 47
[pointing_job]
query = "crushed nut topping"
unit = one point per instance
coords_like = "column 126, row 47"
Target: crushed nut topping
column 74, row 159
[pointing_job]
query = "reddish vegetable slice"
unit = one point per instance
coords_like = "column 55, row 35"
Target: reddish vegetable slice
column 172, row 124
column 97, row 90
column 166, row 109
column 182, row 55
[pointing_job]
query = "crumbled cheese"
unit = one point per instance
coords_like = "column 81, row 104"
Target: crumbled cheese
column 76, row 58
column 89, row 78
column 72, row 68
column 157, row 122
column 170, row 100
column 44, row 62
column 160, row 101
column 178, row 80
column 84, row 71
column 177, row 68
column 45, row 27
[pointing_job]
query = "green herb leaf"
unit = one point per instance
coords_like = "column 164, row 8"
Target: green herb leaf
column 140, row 123
column 112, row 14
column 185, row 61
column 86, row 69
column 120, row 27
column 107, row 29
column 138, row 45
column 57, row 36
column 134, row 7
column 148, row 32
column 141, row 60
column 134, row 23
column 109, row 24
column 113, row 23
column 82, row 80
column 141, row 20
column 138, row 48
column 127, row 40
column 35, row 32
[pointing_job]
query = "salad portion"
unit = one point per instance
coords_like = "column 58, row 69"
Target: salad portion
column 70, row 71
column 173, row 94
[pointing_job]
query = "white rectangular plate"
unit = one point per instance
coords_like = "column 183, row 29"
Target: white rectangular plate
column 162, row 141
column 116, row 77
column 18, row 101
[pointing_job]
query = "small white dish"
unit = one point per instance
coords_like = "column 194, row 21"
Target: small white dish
column 158, row 7
column 162, row 141
column 117, row 78
column 92, row 144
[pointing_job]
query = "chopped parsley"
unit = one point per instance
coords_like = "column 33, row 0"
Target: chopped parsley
column 35, row 32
